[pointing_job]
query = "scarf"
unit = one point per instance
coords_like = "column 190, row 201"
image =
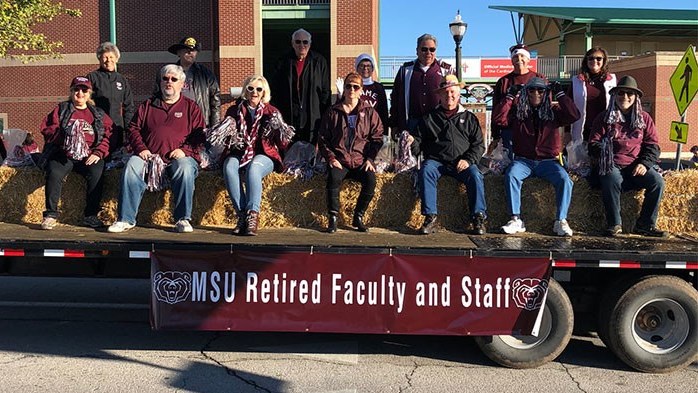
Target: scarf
column 613, row 117
column 250, row 136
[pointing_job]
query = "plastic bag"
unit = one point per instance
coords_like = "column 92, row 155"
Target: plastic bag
column 19, row 145
column 497, row 161
column 384, row 158
column 301, row 161
column 578, row 158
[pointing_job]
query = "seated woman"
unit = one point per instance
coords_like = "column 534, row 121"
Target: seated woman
column 350, row 136
column 265, row 138
column 76, row 137
column 534, row 123
column 624, row 139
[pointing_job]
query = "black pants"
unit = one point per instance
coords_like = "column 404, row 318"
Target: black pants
column 58, row 168
column 334, row 182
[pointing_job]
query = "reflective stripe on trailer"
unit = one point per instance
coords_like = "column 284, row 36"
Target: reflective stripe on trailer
column 139, row 254
column 64, row 253
column 9, row 252
column 618, row 264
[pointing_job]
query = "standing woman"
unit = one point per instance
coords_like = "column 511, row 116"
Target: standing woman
column 111, row 92
column 591, row 90
column 65, row 150
column 351, row 134
column 373, row 91
column 265, row 142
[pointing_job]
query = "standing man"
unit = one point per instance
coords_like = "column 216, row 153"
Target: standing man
column 301, row 86
column 520, row 59
column 201, row 85
column 414, row 90
column 450, row 138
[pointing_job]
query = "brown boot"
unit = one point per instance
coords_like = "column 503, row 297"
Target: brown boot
column 252, row 221
column 241, row 227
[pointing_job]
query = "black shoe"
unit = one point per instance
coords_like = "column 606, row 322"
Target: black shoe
column 648, row 231
column 478, row 223
column 613, row 231
column 331, row 223
column 429, row 225
column 358, row 222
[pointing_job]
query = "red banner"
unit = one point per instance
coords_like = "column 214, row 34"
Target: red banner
column 496, row 68
column 346, row 293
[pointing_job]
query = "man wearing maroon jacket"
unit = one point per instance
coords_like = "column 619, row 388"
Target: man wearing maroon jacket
column 171, row 126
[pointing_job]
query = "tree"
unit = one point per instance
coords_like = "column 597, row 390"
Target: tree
column 18, row 18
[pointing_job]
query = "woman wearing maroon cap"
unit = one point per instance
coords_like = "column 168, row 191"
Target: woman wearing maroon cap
column 76, row 138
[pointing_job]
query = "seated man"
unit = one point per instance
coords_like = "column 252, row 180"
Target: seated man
column 171, row 126
column 450, row 139
column 534, row 122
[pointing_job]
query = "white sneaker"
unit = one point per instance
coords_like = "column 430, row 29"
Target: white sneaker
column 183, row 226
column 562, row 228
column 119, row 227
column 515, row 225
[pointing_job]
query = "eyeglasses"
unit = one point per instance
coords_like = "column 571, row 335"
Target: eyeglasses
column 365, row 65
column 304, row 42
column 351, row 86
column 597, row 58
column 425, row 49
column 252, row 88
column 539, row 90
column 83, row 89
column 628, row 93
column 169, row 79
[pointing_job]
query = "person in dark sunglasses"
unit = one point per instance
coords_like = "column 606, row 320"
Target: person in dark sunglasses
column 625, row 142
column 351, row 134
column 535, row 122
column 301, row 85
column 77, row 135
column 414, row 89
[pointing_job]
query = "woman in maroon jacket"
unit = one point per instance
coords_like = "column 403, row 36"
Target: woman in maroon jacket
column 76, row 137
column 351, row 134
column 266, row 137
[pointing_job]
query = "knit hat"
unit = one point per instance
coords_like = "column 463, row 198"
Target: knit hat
column 362, row 57
column 185, row 43
column 449, row 81
column 627, row 82
column 519, row 49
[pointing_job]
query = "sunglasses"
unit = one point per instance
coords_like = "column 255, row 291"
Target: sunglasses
column 83, row 89
column 539, row 90
column 252, row 88
column 304, row 42
column 169, row 79
column 427, row 49
column 628, row 93
column 351, row 86
column 597, row 58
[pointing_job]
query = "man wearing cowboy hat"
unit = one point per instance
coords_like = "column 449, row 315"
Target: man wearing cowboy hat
column 450, row 140
column 201, row 85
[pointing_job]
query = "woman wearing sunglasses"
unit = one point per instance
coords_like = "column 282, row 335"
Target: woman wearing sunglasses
column 351, row 134
column 624, row 140
column 265, row 137
column 76, row 135
column 534, row 123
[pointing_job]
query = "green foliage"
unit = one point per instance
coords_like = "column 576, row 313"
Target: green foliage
column 17, row 20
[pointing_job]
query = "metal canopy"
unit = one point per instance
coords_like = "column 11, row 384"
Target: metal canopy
column 606, row 16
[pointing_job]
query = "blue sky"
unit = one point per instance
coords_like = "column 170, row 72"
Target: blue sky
column 489, row 33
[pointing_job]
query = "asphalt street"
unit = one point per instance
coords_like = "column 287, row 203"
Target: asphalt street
column 93, row 335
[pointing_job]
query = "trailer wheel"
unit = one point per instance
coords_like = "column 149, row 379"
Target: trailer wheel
column 529, row 351
column 610, row 297
column 653, row 327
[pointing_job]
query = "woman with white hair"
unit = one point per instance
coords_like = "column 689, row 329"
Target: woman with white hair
column 111, row 92
column 373, row 92
column 624, row 140
column 263, row 139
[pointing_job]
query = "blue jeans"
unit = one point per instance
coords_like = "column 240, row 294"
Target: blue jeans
column 549, row 170
column 253, row 173
column 182, row 172
column 619, row 180
column 429, row 175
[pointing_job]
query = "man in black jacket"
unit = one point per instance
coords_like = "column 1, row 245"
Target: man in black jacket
column 450, row 139
column 300, row 86
column 201, row 85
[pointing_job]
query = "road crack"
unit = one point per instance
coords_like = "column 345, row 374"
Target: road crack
column 567, row 370
column 408, row 377
column 227, row 369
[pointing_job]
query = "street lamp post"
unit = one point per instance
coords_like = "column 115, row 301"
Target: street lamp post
column 458, row 28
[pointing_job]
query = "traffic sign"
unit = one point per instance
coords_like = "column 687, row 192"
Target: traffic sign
column 678, row 132
column 684, row 80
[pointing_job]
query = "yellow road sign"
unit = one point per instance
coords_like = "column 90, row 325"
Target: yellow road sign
column 684, row 80
column 678, row 132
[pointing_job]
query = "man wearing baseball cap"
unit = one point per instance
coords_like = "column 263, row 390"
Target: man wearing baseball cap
column 201, row 85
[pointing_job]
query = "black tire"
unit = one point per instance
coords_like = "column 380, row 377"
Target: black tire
column 535, row 351
column 653, row 327
column 608, row 301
